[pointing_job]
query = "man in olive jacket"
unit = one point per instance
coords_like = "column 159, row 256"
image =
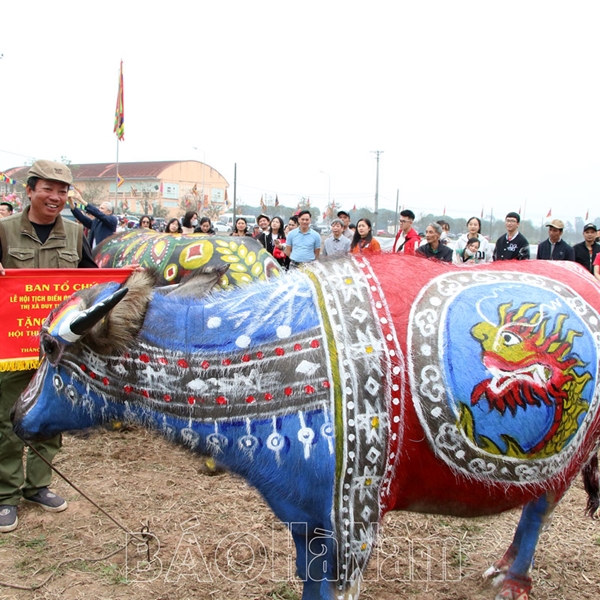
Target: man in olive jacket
column 37, row 238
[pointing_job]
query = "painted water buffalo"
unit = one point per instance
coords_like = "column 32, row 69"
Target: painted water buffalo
column 173, row 256
column 348, row 389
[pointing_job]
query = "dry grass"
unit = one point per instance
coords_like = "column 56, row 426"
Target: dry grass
column 218, row 540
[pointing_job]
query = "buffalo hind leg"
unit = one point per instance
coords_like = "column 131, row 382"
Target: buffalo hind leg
column 514, row 567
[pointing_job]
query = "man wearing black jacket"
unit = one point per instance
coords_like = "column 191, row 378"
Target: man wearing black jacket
column 513, row 245
column 555, row 248
column 104, row 223
column 586, row 251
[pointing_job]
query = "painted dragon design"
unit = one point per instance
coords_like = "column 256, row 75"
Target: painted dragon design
column 530, row 366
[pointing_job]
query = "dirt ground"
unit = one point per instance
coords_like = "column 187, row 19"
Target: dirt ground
column 214, row 538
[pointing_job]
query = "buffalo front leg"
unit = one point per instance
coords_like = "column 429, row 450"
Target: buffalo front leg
column 514, row 567
column 315, row 559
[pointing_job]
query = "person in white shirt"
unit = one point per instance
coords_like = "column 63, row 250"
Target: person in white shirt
column 485, row 250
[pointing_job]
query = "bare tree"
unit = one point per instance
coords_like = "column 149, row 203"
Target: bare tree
column 93, row 192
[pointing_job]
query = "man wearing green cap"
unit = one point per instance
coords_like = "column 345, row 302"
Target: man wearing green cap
column 37, row 238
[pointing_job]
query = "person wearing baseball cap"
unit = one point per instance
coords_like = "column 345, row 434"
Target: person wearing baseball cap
column 344, row 217
column 555, row 248
column 37, row 238
column 264, row 222
column 587, row 251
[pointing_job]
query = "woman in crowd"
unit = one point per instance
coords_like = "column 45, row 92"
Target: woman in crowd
column 189, row 221
column 596, row 266
column 274, row 241
column 173, row 226
column 293, row 224
column 485, row 252
column 363, row 241
column 470, row 255
column 241, row 228
column 205, row 227
column 145, row 222
column 432, row 247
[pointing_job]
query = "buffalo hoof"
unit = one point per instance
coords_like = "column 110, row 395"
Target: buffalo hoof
column 495, row 575
column 493, row 572
column 515, row 588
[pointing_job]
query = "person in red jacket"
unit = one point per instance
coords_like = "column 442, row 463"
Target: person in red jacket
column 407, row 240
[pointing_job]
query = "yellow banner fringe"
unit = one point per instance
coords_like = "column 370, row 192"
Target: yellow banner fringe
column 23, row 364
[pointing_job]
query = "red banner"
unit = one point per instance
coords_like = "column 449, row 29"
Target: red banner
column 27, row 297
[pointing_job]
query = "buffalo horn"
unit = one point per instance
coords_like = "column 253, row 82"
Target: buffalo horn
column 89, row 317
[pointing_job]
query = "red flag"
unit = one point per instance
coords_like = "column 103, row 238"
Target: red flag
column 119, row 128
column 548, row 215
column 354, row 208
column 587, row 214
column 444, row 214
column 276, row 200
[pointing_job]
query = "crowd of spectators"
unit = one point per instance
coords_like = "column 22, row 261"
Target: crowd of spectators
column 291, row 244
column 471, row 247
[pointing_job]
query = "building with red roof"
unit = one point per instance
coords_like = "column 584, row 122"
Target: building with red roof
column 145, row 187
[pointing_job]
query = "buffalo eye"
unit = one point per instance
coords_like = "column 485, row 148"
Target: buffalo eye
column 50, row 347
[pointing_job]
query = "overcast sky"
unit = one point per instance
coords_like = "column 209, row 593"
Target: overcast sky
column 475, row 104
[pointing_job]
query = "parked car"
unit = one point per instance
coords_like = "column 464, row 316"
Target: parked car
column 229, row 219
column 221, row 227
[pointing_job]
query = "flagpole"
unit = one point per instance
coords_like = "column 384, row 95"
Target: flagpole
column 119, row 128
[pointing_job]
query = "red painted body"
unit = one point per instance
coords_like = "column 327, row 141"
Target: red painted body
column 424, row 483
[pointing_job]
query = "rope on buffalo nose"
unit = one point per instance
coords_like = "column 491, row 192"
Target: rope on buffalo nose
column 145, row 537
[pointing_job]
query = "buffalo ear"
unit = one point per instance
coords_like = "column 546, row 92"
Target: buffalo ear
column 198, row 283
column 117, row 331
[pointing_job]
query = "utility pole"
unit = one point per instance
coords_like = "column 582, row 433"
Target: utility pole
column 376, row 211
column 234, row 194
